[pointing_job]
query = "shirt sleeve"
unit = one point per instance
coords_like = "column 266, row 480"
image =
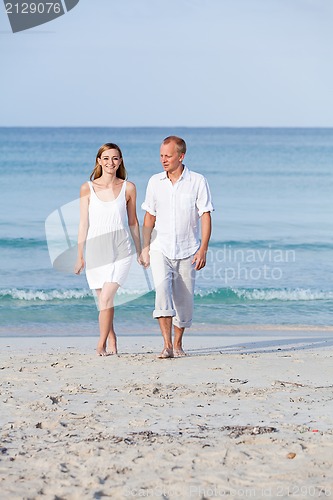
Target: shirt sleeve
column 149, row 204
column 204, row 199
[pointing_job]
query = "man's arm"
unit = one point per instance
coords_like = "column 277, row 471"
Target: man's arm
column 206, row 230
column 147, row 229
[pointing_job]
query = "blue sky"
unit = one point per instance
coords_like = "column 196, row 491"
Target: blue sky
column 172, row 63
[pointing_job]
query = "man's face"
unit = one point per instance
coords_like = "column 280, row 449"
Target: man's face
column 171, row 159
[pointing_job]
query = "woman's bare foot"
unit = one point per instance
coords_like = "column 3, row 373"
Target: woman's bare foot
column 102, row 352
column 112, row 344
column 112, row 351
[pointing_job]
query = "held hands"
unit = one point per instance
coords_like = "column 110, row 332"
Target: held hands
column 199, row 259
column 79, row 266
column 144, row 258
column 139, row 259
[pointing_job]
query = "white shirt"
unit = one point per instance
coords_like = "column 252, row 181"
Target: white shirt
column 177, row 208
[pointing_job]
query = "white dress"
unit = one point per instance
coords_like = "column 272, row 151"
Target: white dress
column 109, row 248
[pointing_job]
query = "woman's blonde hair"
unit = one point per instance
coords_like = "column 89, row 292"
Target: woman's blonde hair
column 97, row 172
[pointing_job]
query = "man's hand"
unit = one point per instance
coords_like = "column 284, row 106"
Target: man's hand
column 199, row 259
column 147, row 228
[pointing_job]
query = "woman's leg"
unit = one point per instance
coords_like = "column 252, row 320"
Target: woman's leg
column 106, row 314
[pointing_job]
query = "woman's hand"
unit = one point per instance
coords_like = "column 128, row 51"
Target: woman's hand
column 139, row 259
column 79, row 266
column 145, row 257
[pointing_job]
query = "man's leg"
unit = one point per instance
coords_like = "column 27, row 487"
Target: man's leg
column 166, row 330
column 183, row 294
column 164, row 310
column 178, row 341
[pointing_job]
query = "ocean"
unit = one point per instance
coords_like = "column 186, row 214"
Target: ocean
column 270, row 259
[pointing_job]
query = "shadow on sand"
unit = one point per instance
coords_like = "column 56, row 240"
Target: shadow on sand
column 269, row 346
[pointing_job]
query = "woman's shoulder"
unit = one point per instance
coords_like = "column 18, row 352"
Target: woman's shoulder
column 130, row 186
column 85, row 189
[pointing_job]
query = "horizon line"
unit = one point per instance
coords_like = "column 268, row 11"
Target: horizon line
column 176, row 126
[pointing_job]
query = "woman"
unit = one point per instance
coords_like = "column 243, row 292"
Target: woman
column 107, row 209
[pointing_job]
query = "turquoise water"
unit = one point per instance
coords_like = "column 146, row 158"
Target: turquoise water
column 270, row 260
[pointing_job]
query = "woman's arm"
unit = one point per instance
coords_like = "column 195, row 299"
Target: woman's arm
column 148, row 226
column 83, row 227
column 132, row 218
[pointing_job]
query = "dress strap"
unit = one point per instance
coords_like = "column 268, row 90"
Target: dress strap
column 122, row 191
column 92, row 190
column 90, row 187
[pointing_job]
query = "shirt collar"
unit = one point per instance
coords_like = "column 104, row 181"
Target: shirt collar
column 185, row 174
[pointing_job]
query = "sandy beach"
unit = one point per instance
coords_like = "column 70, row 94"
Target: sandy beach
column 243, row 417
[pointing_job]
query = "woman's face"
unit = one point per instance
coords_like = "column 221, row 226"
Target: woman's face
column 110, row 161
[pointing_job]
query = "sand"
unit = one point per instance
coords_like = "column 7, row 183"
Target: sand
column 238, row 418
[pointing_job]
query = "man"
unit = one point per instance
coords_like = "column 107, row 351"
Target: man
column 176, row 200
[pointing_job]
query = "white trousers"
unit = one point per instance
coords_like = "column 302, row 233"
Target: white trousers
column 174, row 281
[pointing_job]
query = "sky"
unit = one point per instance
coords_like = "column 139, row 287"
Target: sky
column 231, row 63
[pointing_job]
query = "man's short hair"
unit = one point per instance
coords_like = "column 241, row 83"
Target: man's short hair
column 180, row 143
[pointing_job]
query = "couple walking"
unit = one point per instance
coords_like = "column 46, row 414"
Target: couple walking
column 176, row 200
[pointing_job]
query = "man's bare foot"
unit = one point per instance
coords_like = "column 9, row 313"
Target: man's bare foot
column 166, row 353
column 179, row 353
